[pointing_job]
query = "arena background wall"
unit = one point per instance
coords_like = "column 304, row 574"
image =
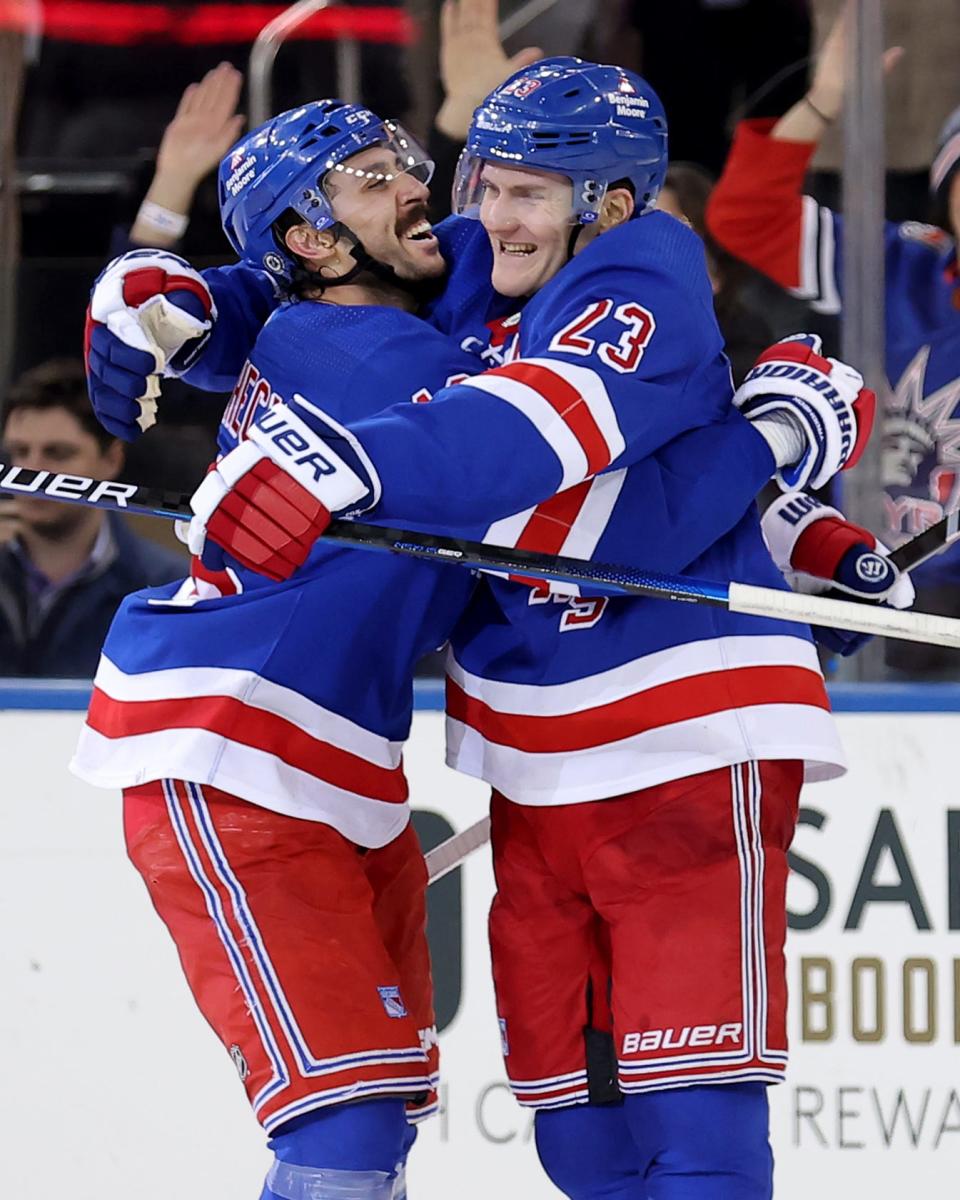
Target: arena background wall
column 114, row 1088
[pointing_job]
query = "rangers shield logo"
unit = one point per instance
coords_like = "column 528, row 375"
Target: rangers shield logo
column 392, row 1002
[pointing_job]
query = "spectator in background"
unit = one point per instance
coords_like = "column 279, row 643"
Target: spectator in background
column 64, row 568
column 204, row 127
column 472, row 63
column 745, row 330
column 758, row 212
column 916, row 100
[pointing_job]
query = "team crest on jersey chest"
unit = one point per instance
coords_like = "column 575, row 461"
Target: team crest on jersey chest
column 498, row 344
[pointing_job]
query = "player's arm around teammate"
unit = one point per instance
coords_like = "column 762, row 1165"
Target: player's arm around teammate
column 264, row 799
column 609, row 364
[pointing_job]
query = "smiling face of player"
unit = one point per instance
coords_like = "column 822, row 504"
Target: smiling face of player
column 527, row 215
column 385, row 206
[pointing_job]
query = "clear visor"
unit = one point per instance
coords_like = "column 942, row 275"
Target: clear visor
column 469, row 188
column 376, row 166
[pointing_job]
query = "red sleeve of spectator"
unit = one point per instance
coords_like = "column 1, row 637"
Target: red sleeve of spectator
column 755, row 210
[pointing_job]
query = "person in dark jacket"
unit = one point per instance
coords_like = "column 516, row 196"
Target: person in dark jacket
column 64, row 568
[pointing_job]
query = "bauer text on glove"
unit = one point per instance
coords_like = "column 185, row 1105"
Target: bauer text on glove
column 267, row 501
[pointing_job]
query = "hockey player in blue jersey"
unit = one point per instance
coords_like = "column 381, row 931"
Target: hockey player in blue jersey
column 256, row 728
column 568, row 1089
column 664, row 720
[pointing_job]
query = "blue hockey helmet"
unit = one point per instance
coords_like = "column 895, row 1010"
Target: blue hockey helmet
column 283, row 164
column 593, row 123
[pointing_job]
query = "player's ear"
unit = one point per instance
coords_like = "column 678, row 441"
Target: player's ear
column 313, row 245
column 618, row 206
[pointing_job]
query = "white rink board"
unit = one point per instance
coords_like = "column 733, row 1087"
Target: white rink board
column 114, row 1088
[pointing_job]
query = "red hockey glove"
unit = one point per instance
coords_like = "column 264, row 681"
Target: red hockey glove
column 267, row 501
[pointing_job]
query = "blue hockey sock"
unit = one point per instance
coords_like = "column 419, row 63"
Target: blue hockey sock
column 400, row 1189
column 704, row 1143
column 588, row 1153
column 344, row 1151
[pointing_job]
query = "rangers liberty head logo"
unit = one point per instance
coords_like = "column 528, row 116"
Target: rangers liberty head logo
column 921, row 423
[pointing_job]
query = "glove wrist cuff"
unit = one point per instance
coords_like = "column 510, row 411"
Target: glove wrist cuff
column 822, row 545
column 787, row 518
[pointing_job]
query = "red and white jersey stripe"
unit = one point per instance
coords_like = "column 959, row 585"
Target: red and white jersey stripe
column 568, row 405
column 818, row 259
column 569, row 524
column 666, row 715
column 557, row 1091
column 246, row 735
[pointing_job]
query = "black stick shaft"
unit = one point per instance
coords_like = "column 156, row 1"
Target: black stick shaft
column 925, row 545
column 600, row 578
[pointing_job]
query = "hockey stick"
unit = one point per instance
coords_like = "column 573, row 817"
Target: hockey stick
column 925, row 545
column 450, row 854
column 446, row 857
column 600, row 579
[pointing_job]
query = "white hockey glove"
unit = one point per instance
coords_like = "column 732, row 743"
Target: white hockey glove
column 818, row 550
column 149, row 314
column 813, row 412
column 267, row 501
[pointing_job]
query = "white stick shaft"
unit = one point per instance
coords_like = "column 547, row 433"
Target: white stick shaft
column 446, row 857
column 845, row 614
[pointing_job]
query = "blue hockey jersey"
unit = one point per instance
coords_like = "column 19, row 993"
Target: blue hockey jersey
column 594, row 437
column 294, row 696
column 759, row 212
column 604, row 430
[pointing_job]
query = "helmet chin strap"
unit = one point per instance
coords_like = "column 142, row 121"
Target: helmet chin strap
column 364, row 262
column 572, row 242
